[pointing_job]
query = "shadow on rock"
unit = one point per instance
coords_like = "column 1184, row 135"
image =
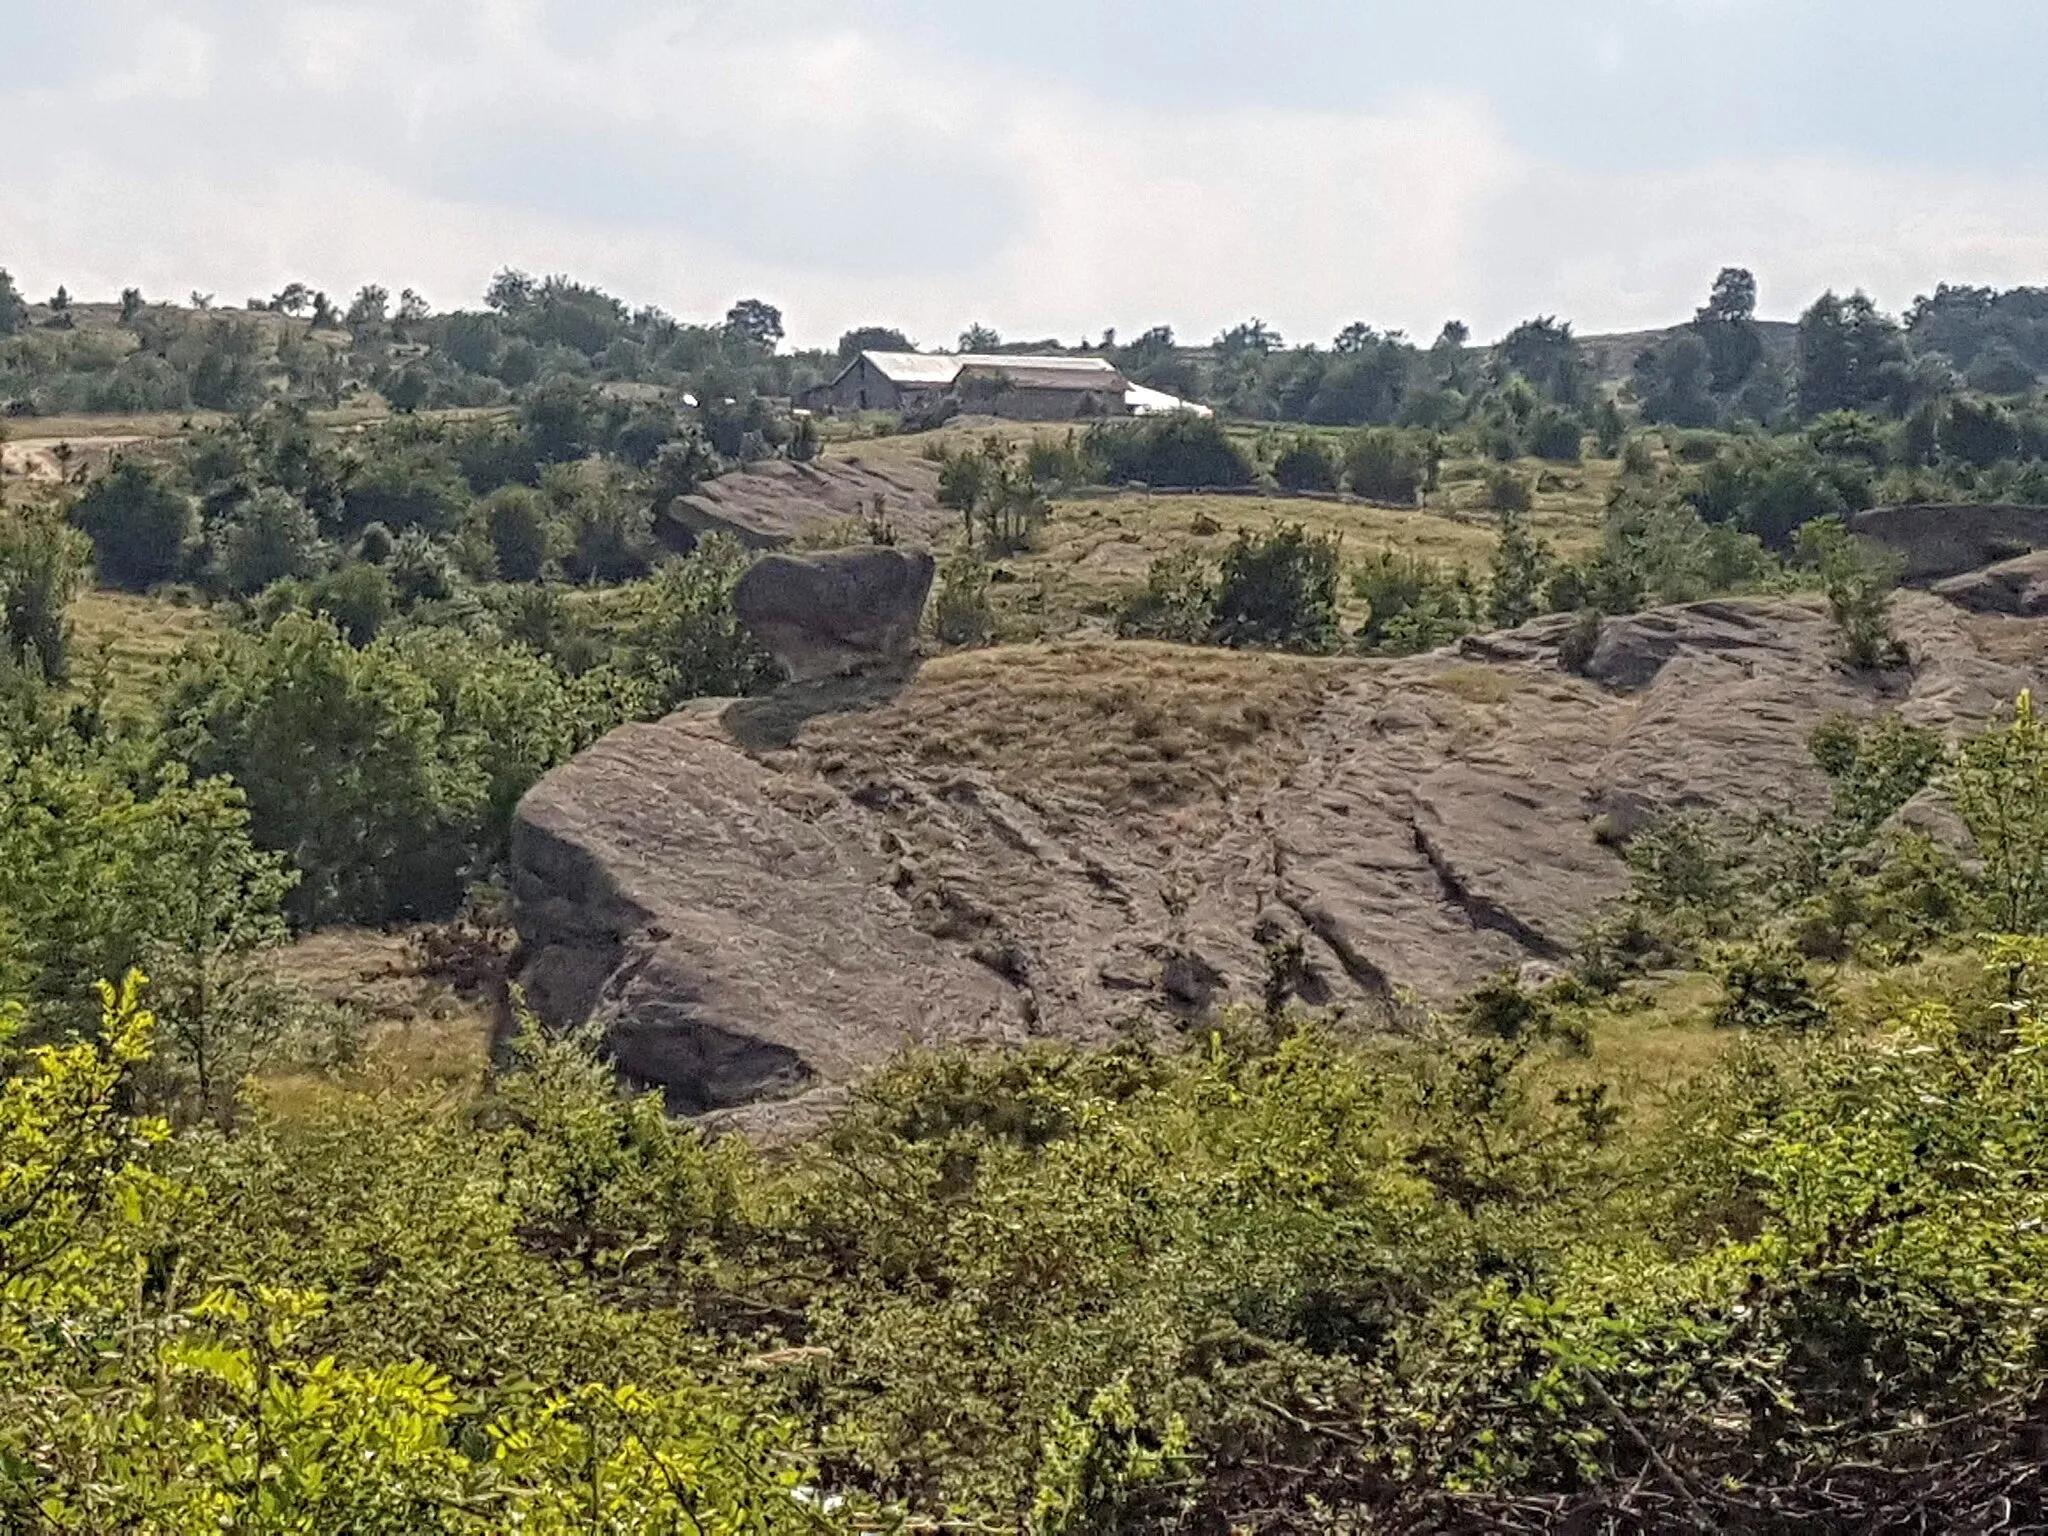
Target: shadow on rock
column 771, row 723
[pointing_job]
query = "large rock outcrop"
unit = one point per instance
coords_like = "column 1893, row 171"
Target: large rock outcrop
column 1083, row 840
column 1937, row 539
column 839, row 612
column 2018, row 587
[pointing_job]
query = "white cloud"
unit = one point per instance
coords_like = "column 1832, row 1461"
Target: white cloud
column 686, row 154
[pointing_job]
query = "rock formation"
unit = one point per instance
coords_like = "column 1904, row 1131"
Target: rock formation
column 762, row 924
column 1943, row 539
column 838, row 612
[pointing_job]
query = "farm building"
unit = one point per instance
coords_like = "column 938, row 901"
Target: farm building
column 1023, row 388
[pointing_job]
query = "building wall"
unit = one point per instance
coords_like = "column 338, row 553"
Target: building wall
column 863, row 389
column 1053, row 405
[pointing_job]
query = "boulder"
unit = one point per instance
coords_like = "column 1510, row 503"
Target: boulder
column 2017, row 587
column 839, row 612
column 1937, row 539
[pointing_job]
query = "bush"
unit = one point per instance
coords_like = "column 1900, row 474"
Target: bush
column 961, row 614
column 358, row 598
column 141, row 527
column 1279, row 589
column 1859, row 591
column 1520, row 570
column 1768, row 985
column 265, row 537
column 684, row 642
column 517, row 523
column 1387, row 464
column 1305, row 464
column 1556, row 435
column 1413, row 604
column 1177, row 602
column 42, row 567
column 1181, row 451
column 1507, row 491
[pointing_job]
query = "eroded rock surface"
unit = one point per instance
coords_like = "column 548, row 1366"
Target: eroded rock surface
column 766, row 923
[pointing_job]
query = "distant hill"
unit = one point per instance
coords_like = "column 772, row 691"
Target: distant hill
column 1613, row 356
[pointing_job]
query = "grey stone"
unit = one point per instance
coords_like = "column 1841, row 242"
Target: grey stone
column 838, row 612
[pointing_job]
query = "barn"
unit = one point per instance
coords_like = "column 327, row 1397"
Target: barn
column 1018, row 386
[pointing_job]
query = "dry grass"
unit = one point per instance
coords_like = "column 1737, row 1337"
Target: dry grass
column 416, row 1030
column 138, row 636
column 1121, row 725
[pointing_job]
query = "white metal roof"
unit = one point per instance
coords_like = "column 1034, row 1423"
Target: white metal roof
column 944, row 368
column 1156, row 402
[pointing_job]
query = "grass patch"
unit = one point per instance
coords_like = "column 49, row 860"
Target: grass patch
column 1126, row 725
column 136, row 637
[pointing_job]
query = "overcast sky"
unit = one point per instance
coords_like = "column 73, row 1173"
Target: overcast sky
column 1052, row 168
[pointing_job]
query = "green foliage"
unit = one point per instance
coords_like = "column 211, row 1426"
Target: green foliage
column 517, row 522
column 684, row 642
column 1179, row 450
column 1177, row 602
column 13, row 310
column 997, row 492
column 1774, row 489
column 1413, row 604
column 1859, row 589
column 1850, row 357
column 1388, row 464
column 1279, row 589
column 42, row 566
column 2000, row 789
column 1769, row 986
column 1305, row 464
column 265, row 537
column 1521, row 567
column 961, row 614
column 142, row 528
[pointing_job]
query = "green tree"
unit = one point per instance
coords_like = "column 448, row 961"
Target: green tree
column 517, row 522
column 346, row 764
column 979, row 338
column 142, row 528
column 42, row 567
column 872, row 338
column 131, row 305
column 1726, row 326
column 755, row 324
column 1859, row 591
column 1520, row 570
column 1850, row 357
column 1999, row 785
column 1546, row 353
column 1279, row 589
column 684, row 641
column 265, row 537
column 13, row 311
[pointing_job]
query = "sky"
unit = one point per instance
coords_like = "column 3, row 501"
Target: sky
column 1053, row 168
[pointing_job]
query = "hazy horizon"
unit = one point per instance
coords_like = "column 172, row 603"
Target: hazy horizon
column 1051, row 174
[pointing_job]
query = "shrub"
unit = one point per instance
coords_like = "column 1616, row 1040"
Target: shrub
column 1305, row 464
column 1413, row 604
column 1556, row 435
column 141, row 527
column 1180, row 450
column 1859, row 591
column 1388, row 464
column 1507, row 491
column 266, row 537
column 1521, row 567
column 684, row 641
column 1177, row 602
column 961, row 614
column 358, row 597
column 1279, row 589
column 42, row 567
column 1768, row 985
column 520, row 531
